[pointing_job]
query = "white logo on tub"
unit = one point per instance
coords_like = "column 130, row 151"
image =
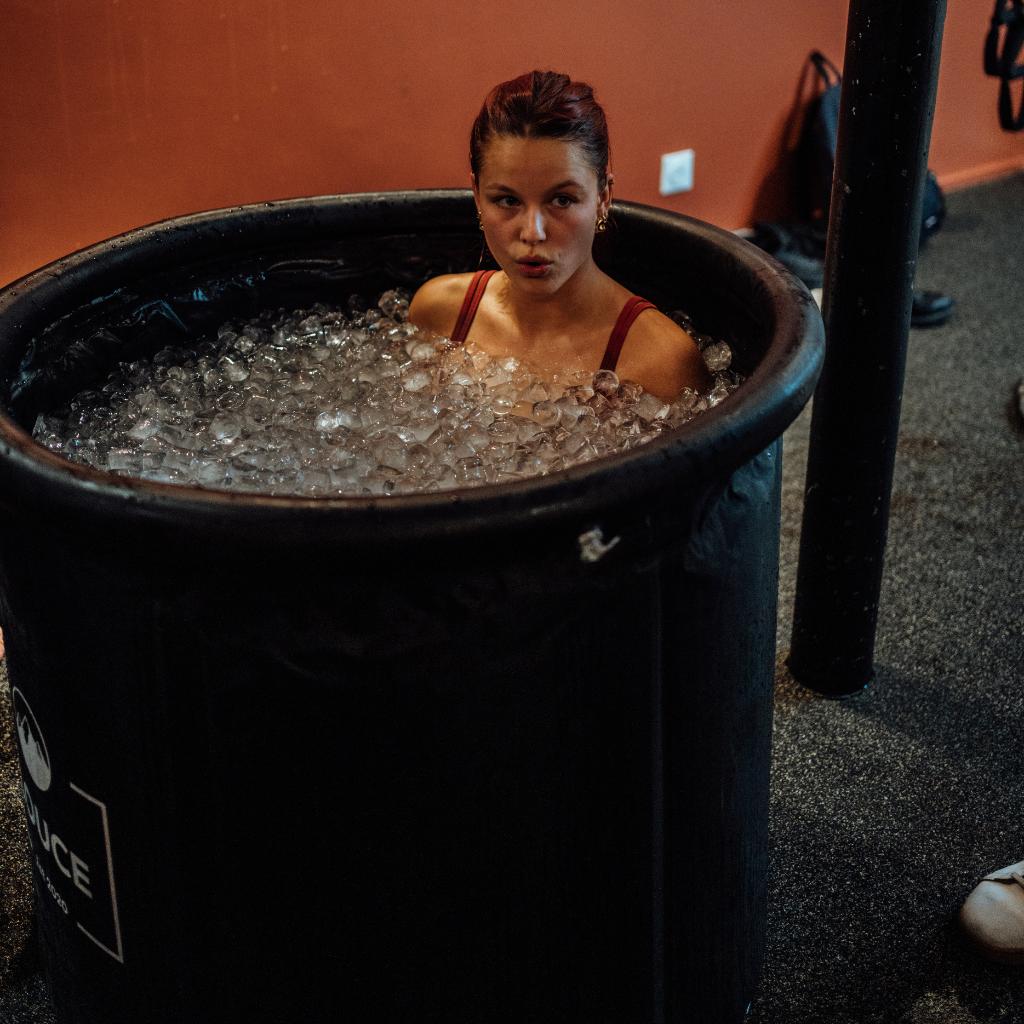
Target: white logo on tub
column 70, row 840
column 30, row 739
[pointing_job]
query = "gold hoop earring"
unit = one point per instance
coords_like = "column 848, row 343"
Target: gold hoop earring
column 602, row 225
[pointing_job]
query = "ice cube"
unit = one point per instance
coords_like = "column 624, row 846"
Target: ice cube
column 717, row 356
column 394, row 304
column 145, row 426
column 606, row 382
column 232, row 369
column 545, row 414
column 649, row 408
column 225, row 427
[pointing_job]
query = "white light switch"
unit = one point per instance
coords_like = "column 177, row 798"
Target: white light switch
column 676, row 172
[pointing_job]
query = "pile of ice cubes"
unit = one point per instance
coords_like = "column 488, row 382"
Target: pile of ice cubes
column 340, row 402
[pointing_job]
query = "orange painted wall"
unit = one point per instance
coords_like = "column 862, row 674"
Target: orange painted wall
column 115, row 113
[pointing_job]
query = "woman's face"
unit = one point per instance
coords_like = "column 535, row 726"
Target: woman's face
column 539, row 201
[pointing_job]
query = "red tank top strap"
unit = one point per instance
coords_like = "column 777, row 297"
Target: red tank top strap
column 630, row 311
column 474, row 293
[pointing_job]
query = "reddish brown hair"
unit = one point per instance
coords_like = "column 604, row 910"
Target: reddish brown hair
column 547, row 105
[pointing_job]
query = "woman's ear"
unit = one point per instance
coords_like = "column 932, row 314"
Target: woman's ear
column 604, row 200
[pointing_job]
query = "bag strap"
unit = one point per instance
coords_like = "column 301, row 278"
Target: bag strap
column 827, row 71
column 1010, row 122
column 1003, row 65
column 1011, row 14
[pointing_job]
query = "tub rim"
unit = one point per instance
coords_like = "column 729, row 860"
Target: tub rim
column 709, row 447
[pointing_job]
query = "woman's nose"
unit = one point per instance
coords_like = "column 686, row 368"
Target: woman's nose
column 533, row 226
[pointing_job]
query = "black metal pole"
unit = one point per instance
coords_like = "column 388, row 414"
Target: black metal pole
column 890, row 75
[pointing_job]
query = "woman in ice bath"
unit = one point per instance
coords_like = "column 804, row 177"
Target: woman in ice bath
column 539, row 162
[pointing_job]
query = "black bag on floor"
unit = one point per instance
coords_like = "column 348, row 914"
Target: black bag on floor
column 817, row 153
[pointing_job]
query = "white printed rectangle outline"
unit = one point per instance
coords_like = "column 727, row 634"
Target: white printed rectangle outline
column 119, row 955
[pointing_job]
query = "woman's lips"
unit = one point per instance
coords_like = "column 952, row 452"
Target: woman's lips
column 533, row 268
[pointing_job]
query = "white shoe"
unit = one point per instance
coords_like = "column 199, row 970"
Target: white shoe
column 993, row 915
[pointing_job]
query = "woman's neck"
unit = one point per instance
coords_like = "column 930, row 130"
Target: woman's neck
column 537, row 316
column 560, row 331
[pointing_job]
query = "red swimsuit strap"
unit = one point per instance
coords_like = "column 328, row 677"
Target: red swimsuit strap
column 474, row 294
column 478, row 285
column 630, row 311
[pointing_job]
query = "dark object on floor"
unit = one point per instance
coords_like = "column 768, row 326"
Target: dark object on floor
column 800, row 248
column 800, row 245
column 933, row 207
column 817, row 153
column 930, row 309
column 1003, row 65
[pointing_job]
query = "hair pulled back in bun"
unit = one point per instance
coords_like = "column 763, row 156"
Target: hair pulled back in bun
column 546, row 105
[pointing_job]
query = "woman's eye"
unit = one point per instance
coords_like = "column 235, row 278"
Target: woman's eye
column 505, row 201
column 563, row 202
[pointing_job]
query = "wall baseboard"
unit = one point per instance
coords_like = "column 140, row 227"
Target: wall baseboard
column 954, row 180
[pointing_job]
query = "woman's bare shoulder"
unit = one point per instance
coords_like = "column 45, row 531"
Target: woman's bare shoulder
column 661, row 357
column 436, row 304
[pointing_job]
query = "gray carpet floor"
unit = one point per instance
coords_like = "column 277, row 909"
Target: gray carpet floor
column 889, row 806
column 886, row 807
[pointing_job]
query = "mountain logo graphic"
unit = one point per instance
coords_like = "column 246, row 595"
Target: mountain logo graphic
column 33, row 746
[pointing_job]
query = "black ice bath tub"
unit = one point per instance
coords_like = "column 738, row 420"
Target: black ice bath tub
column 423, row 758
